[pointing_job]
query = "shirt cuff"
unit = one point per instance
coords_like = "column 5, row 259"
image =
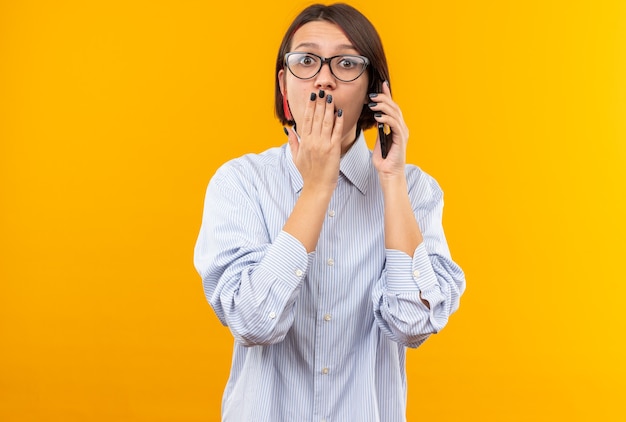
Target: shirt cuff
column 287, row 259
column 406, row 274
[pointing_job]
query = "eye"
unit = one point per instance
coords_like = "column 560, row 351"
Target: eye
column 347, row 63
column 306, row 60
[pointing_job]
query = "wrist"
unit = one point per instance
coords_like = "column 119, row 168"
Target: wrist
column 391, row 183
column 317, row 194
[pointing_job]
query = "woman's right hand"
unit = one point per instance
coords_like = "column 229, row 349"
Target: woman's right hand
column 318, row 151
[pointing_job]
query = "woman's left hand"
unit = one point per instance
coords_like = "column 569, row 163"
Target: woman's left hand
column 386, row 111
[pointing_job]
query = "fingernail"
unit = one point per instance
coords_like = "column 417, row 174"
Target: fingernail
column 373, row 94
column 286, row 131
column 321, row 94
column 372, row 104
column 313, row 96
column 329, row 99
column 339, row 113
column 378, row 114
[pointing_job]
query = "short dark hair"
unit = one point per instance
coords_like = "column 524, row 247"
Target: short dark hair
column 361, row 34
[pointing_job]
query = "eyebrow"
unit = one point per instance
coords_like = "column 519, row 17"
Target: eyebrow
column 314, row 45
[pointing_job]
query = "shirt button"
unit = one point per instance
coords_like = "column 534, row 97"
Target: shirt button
column 416, row 274
column 330, row 262
column 272, row 315
column 327, row 317
column 299, row 273
column 331, row 213
column 325, row 371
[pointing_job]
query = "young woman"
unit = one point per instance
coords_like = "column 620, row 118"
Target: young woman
column 324, row 259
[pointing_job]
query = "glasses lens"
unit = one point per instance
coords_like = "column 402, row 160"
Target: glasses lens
column 303, row 65
column 345, row 68
column 348, row 68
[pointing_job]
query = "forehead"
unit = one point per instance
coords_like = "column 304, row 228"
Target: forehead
column 320, row 36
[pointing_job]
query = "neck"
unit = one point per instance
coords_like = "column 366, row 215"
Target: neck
column 349, row 139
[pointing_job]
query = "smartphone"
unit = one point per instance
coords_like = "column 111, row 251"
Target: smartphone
column 384, row 131
column 384, row 134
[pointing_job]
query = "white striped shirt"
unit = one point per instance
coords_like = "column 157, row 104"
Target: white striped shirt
column 320, row 336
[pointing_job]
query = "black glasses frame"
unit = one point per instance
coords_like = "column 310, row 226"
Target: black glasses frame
column 327, row 60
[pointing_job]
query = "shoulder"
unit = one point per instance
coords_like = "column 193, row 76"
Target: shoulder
column 422, row 185
column 251, row 167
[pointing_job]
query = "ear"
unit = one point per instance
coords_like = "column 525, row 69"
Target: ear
column 281, row 82
column 283, row 90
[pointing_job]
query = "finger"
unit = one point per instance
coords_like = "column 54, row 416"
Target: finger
column 309, row 111
column 386, row 110
column 329, row 118
column 386, row 119
column 383, row 103
column 398, row 129
column 380, row 104
column 386, row 89
column 382, row 95
column 318, row 116
column 337, row 133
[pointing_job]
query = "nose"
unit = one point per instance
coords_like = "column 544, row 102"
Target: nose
column 325, row 79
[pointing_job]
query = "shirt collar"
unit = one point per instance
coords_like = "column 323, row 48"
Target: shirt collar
column 354, row 165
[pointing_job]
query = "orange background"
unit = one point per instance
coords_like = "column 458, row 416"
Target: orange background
column 115, row 114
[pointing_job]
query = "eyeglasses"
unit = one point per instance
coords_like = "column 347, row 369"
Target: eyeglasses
column 345, row 67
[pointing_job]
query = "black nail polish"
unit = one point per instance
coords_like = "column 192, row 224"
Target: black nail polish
column 286, row 131
column 378, row 114
column 373, row 94
column 321, row 93
column 339, row 113
column 313, row 96
column 372, row 104
column 329, row 98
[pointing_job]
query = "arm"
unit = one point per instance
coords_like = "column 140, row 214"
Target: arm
column 419, row 291
column 402, row 232
column 316, row 155
column 252, row 281
column 421, row 285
